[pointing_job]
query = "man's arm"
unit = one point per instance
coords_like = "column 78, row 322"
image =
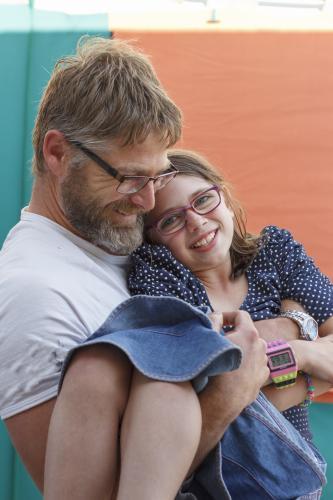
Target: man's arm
column 228, row 394
column 28, row 431
column 318, row 355
column 280, row 328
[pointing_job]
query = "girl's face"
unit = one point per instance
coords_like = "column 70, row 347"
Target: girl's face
column 205, row 240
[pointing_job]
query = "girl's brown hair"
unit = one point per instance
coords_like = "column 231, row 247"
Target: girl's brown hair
column 245, row 246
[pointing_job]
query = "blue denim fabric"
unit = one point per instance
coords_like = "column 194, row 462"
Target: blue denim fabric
column 166, row 339
column 283, row 468
column 261, row 456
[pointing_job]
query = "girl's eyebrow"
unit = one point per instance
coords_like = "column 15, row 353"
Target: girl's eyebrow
column 178, row 207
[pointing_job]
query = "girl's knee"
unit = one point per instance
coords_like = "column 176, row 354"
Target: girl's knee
column 99, row 372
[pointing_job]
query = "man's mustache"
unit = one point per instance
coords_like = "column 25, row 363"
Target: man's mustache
column 126, row 208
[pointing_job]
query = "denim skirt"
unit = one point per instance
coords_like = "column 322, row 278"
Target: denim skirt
column 261, row 456
column 166, row 339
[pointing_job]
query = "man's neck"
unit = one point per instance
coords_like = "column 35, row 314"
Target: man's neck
column 45, row 201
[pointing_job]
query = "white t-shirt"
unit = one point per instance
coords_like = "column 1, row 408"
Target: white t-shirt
column 56, row 289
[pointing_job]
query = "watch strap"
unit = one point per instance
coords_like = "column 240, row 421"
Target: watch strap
column 282, row 363
column 300, row 318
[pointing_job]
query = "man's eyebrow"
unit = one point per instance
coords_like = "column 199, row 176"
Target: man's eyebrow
column 136, row 170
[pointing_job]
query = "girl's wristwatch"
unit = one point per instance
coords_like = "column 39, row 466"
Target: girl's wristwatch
column 308, row 327
column 282, row 363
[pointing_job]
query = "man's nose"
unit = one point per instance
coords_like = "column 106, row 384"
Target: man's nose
column 145, row 198
column 193, row 220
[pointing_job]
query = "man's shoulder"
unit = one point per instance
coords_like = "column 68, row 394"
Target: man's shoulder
column 33, row 261
column 34, row 233
column 36, row 246
column 48, row 266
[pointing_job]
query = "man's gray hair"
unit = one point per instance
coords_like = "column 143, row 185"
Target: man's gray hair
column 107, row 90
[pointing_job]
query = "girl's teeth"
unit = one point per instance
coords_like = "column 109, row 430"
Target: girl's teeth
column 204, row 241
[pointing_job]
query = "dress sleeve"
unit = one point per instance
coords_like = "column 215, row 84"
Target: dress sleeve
column 300, row 278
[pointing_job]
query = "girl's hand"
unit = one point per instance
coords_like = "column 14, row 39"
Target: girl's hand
column 315, row 358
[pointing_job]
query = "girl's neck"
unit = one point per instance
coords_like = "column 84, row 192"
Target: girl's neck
column 216, row 277
column 225, row 293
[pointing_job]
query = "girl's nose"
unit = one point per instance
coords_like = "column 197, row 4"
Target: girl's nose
column 194, row 221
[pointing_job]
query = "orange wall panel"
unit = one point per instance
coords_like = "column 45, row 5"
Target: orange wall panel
column 260, row 106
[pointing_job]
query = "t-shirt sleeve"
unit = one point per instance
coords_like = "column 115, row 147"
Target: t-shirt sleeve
column 38, row 329
column 300, row 278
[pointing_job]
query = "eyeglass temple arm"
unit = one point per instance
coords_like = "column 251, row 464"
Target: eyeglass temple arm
column 110, row 170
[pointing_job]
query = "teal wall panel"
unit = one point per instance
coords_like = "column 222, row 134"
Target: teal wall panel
column 7, row 458
column 23, row 486
column 13, row 56
column 321, row 416
column 15, row 483
column 30, row 43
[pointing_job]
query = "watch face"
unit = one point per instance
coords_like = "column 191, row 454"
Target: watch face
column 281, row 360
column 310, row 328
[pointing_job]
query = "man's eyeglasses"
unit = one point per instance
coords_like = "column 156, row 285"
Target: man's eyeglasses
column 128, row 184
column 201, row 204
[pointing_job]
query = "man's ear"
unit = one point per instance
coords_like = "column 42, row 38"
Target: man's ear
column 54, row 151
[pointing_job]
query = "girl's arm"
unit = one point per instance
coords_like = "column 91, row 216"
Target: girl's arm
column 283, row 399
column 282, row 328
column 314, row 358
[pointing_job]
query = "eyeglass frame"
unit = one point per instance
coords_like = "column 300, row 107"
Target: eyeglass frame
column 184, row 209
column 109, row 169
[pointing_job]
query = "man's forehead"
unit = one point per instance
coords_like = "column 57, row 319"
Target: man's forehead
column 138, row 159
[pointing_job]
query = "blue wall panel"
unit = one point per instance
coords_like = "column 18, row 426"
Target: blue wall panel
column 321, row 416
column 30, row 43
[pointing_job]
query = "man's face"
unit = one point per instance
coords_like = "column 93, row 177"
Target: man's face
column 97, row 211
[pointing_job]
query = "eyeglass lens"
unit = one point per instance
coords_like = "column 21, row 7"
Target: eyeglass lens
column 133, row 184
column 202, row 204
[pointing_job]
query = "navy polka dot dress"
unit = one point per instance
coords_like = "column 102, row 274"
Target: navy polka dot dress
column 281, row 270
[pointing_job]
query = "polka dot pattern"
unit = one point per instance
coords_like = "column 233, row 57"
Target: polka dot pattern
column 155, row 271
column 281, row 270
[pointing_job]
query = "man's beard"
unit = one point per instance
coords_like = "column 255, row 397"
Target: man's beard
column 93, row 222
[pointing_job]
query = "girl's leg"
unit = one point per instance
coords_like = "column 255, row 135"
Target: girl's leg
column 83, row 443
column 159, row 437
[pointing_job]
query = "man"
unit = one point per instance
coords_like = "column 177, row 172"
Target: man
column 100, row 151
